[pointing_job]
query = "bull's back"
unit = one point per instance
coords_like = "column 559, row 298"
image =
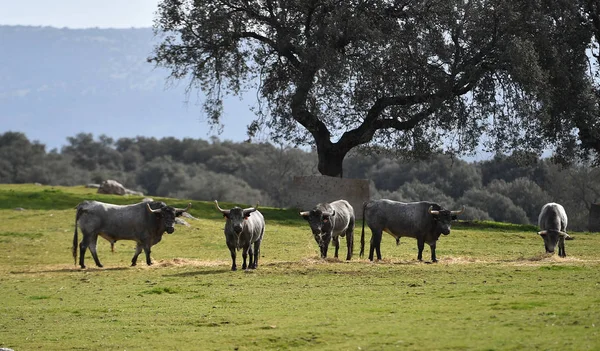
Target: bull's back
column 255, row 226
column 117, row 221
column 552, row 217
column 344, row 213
column 398, row 218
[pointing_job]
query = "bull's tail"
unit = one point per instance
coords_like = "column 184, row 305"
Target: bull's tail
column 362, row 235
column 75, row 239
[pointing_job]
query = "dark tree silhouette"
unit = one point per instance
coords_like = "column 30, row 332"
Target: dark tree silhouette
column 416, row 76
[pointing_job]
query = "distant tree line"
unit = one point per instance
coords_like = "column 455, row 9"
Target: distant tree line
column 504, row 188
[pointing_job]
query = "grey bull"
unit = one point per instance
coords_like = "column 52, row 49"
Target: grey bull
column 244, row 229
column 424, row 221
column 329, row 221
column 144, row 222
column 553, row 228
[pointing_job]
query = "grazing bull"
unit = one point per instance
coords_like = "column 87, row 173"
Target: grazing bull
column 330, row 221
column 553, row 224
column 244, row 229
column 424, row 221
column 144, row 223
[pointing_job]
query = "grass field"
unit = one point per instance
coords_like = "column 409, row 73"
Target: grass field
column 492, row 289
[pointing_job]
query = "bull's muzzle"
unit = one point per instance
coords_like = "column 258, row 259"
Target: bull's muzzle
column 170, row 230
column 237, row 229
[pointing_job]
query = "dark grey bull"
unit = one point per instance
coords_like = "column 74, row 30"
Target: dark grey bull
column 244, row 229
column 144, row 223
column 424, row 221
column 553, row 224
column 329, row 221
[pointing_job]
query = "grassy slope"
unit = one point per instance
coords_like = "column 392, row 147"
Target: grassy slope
column 491, row 290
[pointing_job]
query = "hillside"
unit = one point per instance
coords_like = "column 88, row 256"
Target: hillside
column 96, row 81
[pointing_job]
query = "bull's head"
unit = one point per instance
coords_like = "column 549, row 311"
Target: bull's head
column 168, row 214
column 443, row 218
column 320, row 223
column 552, row 237
column 236, row 216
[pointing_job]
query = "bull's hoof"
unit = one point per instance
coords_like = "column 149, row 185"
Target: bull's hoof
column 133, row 264
column 99, row 265
column 234, row 268
column 82, row 267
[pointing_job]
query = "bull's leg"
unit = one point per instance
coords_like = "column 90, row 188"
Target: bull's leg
column 323, row 250
column 336, row 243
column 233, row 265
column 147, row 251
column 250, row 257
column 82, row 247
column 561, row 247
column 432, row 248
column 138, row 250
column 375, row 244
column 245, row 256
column 349, row 243
column 92, row 245
column 256, row 254
column 420, row 246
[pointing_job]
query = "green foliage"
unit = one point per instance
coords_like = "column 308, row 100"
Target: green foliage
column 499, row 207
column 263, row 173
column 489, row 282
column 524, row 193
column 417, row 78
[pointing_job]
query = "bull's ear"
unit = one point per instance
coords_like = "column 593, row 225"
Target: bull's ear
column 454, row 217
column 304, row 214
column 246, row 215
column 225, row 215
column 543, row 233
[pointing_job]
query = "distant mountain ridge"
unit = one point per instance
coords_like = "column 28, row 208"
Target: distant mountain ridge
column 57, row 82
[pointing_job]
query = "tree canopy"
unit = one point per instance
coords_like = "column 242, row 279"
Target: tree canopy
column 415, row 76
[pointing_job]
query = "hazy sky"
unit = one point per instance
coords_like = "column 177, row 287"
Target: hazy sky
column 78, row 13
column 115, row 14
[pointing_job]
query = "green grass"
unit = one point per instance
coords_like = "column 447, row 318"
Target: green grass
column 493, row 288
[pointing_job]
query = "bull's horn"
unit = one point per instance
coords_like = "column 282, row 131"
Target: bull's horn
column 458, row 212
column 304, row 213
column 250, row 209
column 565, row 235
column 151, row 210
column 226, row 212
column 187, row 208
column 430, row 210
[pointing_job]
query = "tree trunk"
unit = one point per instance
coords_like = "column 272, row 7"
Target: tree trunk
column 331, row 160
column 594, row 218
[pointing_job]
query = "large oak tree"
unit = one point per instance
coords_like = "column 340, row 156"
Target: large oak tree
column 416, row 76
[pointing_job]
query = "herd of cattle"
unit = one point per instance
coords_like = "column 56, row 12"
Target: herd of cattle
column 146, row 222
